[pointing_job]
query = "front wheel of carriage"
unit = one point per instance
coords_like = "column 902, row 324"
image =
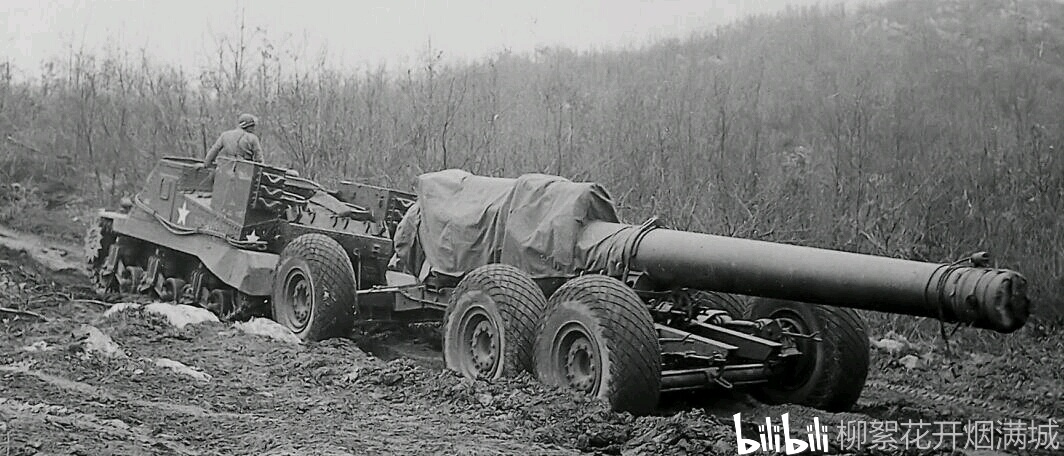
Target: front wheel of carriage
column 314, row 288
column 830, row 372
column 490, row 322
column 597, row 337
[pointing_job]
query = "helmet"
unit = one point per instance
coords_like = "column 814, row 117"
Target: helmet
column 246, row 121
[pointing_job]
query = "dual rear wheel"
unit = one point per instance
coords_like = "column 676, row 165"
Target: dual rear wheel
column 594, row 335
column 490, row 322
column 830, row 373
column 598, row 338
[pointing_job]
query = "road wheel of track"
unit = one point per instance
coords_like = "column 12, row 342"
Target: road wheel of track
column 128, row 282
column 831, row 373
column 314, row 288
column 733, row 304
column 490, row 323
column 170, row 290
column 598, row 337
column 220, row 302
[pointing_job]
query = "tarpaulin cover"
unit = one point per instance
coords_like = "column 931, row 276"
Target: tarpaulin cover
column 544, row 225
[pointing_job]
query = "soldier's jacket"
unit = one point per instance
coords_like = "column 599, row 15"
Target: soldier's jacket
column 236, row 143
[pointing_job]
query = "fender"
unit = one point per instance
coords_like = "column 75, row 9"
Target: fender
column 248, row 271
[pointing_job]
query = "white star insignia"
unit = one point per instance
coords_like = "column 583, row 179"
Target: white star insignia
column 182, row 213
column 325, row 295
column 252, row 237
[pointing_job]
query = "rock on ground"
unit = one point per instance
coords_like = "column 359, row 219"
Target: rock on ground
column 180, row 315
column 182, row 369
column 94, row 341
column 120, row 307
column 268, row 328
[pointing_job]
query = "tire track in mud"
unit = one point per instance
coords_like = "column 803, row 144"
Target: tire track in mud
column 285, row 397
column 94, row 419
column 983, row 409
column 107, row 429
column 94, row 393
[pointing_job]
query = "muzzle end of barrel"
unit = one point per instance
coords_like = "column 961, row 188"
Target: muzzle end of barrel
column 1008, row 306
column 994, row 299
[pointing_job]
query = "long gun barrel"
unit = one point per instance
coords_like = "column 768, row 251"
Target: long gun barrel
column 983, row 297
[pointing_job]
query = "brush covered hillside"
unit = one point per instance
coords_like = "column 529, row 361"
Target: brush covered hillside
column 918, row 129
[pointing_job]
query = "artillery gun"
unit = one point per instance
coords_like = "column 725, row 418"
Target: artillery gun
column 532, row 274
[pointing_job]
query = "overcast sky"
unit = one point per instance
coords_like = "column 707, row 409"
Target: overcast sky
column 356, row 32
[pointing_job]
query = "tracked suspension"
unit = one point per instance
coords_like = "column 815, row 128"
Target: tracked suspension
column 118, row 266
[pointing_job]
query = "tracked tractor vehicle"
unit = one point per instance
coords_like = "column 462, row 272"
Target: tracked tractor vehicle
column 534, row 274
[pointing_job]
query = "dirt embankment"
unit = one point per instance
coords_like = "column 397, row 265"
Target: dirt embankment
column 81, row 376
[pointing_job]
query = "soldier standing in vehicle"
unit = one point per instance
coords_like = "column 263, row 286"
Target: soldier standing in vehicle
column 240, row 143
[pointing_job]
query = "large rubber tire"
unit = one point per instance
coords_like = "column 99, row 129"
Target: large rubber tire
column 314, row 288
column 830, row 374
column 598, row 337
column 733, row 304
column 490, row 323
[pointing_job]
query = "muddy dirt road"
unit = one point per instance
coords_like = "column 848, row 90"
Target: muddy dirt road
column 85, row 376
